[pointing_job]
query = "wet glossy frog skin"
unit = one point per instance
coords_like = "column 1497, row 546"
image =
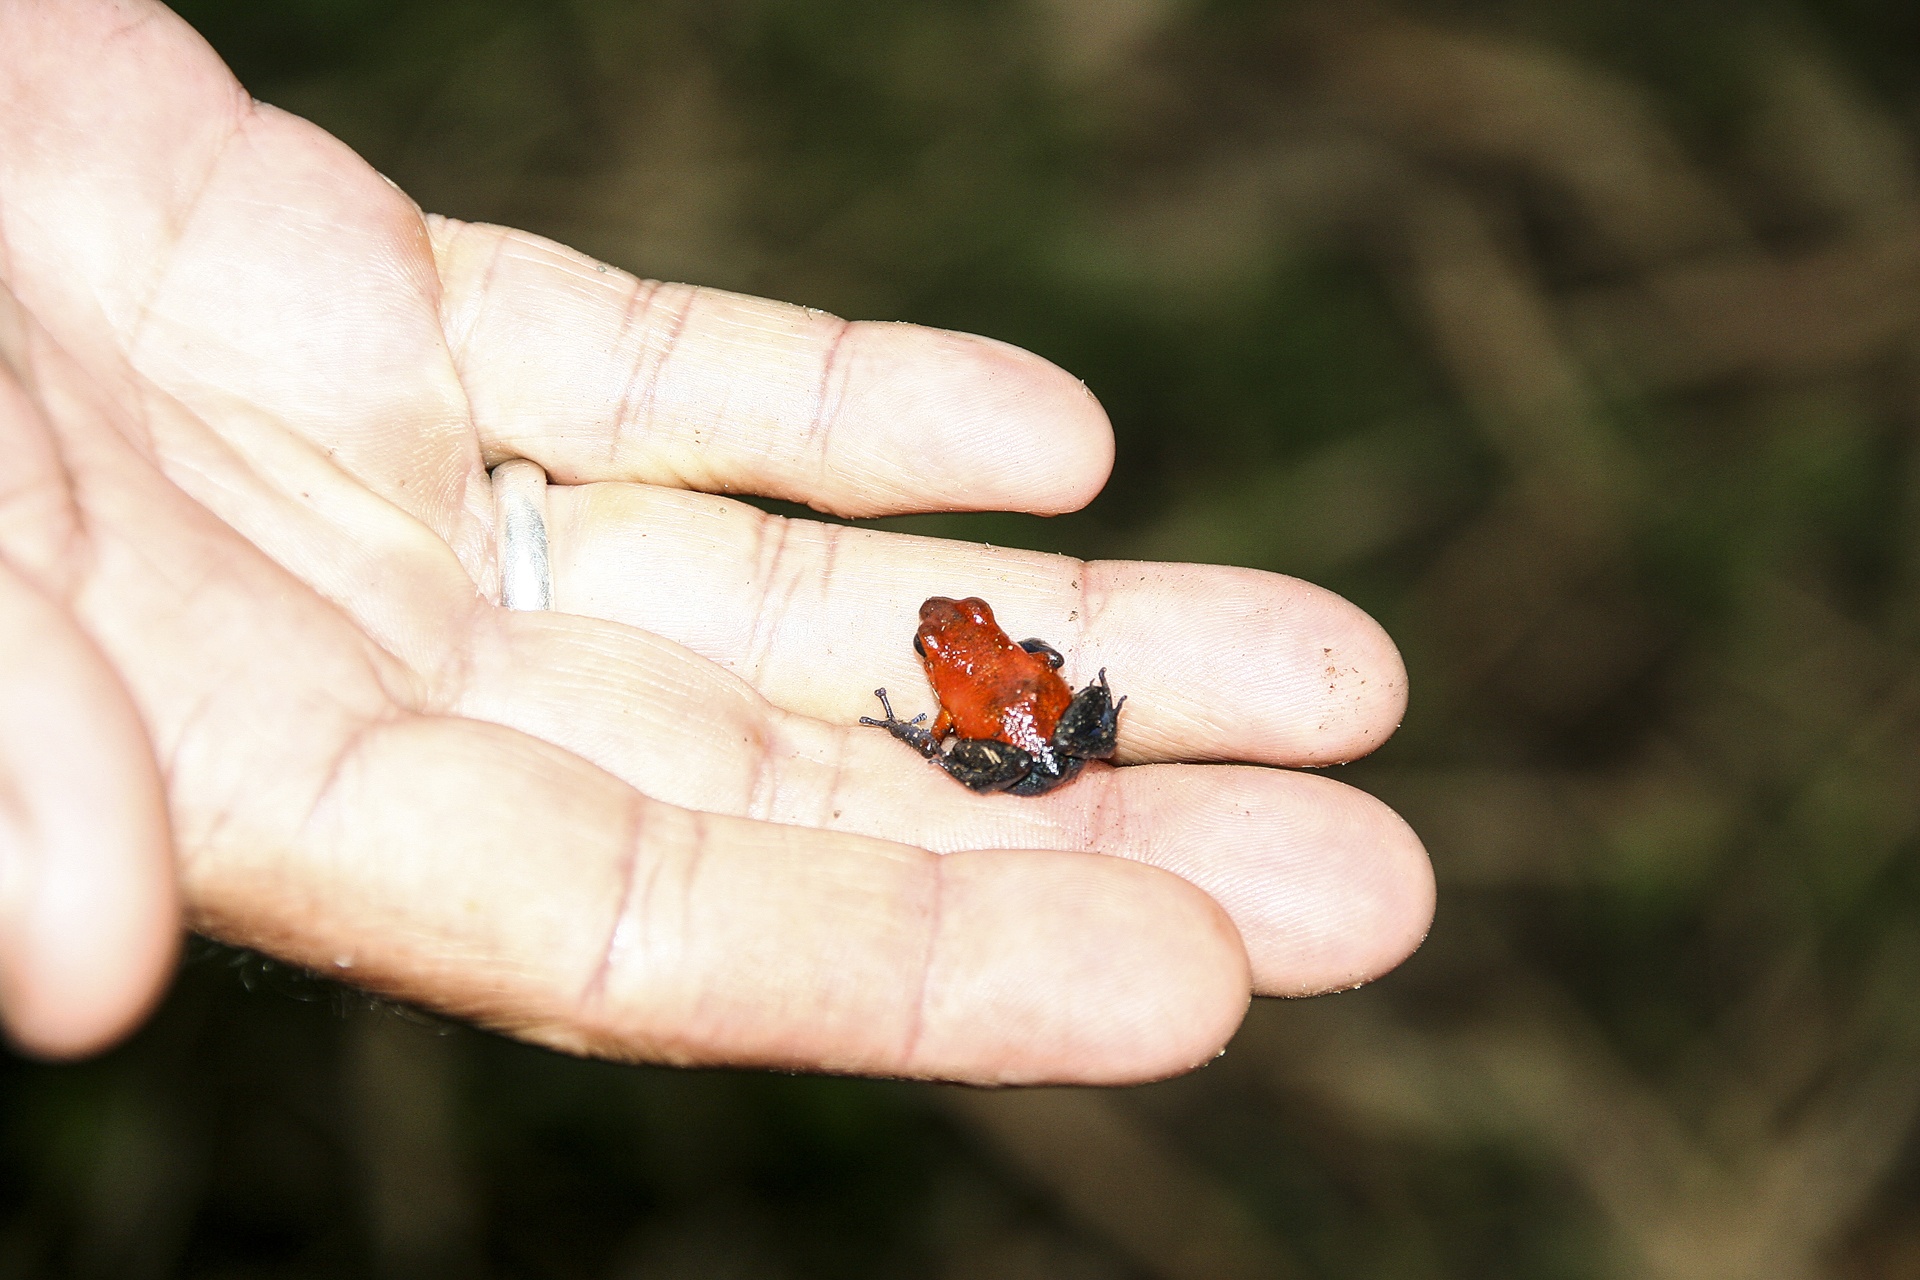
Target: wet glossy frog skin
column 1007, row 721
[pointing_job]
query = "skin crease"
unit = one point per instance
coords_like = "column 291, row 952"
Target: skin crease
column 255, row 681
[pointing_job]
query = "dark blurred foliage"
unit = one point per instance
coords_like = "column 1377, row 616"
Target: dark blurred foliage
column 1576, row 341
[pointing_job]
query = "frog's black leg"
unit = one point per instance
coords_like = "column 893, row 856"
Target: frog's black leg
column 985, row 764
column 1045, row 650
column 908, row 731
column 1048, row 772
column 979, row 763
column 1089, row 727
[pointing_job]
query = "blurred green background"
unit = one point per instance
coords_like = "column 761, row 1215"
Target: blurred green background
column 1578, row 342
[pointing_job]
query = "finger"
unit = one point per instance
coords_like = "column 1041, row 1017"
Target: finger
column 1326, row 886
column 598, row 376
column 493, row 876
column 1218, row 663
column 88, row 914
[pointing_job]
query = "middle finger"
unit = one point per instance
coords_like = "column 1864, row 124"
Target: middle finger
column 1219, row 663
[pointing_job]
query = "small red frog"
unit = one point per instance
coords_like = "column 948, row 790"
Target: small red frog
column 1020, row 729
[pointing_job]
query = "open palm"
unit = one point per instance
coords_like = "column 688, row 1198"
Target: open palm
column 250, row 395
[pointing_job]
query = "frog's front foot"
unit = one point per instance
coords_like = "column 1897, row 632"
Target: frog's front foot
column 908, row 731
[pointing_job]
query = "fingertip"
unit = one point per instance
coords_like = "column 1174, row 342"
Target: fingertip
column 1066, row 967
column 89, row 910
column 1328, row 887
column 1350, row 693
column 1368, row 922
column 1270, row 668
column 984, row 424
column 1393, row 908
column 92, row 955
column 1366, row 689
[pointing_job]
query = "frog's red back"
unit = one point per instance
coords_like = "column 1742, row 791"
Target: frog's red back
column 988, row 686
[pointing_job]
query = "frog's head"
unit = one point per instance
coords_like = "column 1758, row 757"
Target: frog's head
column 950, row 626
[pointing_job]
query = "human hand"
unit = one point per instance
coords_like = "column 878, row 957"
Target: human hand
column 246, row 564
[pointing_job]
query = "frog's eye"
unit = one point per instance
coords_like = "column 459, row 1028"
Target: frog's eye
column 919, row 647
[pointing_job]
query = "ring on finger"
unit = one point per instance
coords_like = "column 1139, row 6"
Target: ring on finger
column 520, row 530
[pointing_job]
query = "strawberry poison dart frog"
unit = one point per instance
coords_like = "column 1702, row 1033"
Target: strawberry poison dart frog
column 1015, row 725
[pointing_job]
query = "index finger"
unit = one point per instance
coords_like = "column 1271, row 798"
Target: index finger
column 597, row 375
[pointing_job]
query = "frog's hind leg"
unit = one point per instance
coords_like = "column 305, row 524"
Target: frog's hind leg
column 1047, row 774
column 1090, row 726
column 908, row 731
column 985, row 764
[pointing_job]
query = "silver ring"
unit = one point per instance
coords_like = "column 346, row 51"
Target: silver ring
column 520, row 530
